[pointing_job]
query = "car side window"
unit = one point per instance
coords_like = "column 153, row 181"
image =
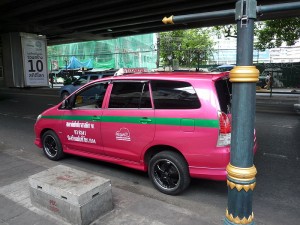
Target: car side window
column 91, row 97
column 130, row 95
column 174, row 95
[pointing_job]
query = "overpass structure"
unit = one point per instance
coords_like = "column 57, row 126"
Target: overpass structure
column 67, row 21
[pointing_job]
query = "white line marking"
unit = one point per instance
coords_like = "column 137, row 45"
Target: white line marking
column 275, row 155
column 283, row 126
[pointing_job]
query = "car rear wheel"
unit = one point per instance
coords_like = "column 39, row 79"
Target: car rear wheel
column 64, row 95
column 169, row 172
column 52, row 146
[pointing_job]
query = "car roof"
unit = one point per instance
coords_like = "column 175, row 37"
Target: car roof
column 179, row 76
column 174, row 75
column 193, row 77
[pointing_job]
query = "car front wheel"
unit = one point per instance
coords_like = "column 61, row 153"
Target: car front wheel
column 52, row 146
column 169, row 172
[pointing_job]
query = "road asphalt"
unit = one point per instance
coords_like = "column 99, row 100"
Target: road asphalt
column 129, row 207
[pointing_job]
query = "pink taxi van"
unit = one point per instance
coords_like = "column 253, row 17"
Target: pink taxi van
column 175, row 125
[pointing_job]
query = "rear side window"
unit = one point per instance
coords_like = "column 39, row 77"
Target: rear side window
column 174, row 95
column 224, row 91
column 130, row 95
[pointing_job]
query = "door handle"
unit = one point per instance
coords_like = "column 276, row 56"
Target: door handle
column 96, row 118
column 145, row 120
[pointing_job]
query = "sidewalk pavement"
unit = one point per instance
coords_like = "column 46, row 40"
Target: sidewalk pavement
column 130, row 208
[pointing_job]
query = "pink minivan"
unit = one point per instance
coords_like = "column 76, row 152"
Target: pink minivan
column 174, row 125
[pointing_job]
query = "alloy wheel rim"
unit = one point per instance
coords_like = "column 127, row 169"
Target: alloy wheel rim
column 50, row 146
column 166, row 174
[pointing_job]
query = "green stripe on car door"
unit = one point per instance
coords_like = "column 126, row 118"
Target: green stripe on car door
column 131, row 119
column 187, row 122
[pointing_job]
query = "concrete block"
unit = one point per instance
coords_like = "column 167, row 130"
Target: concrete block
column 73, row 195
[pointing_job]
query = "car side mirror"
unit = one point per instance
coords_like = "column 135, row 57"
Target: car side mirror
column 65, row 104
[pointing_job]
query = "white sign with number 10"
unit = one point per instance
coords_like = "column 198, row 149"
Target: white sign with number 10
column 35, row 61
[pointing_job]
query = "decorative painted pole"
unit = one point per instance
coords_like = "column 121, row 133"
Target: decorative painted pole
column 241, row 171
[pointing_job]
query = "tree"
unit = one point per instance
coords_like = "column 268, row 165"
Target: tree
column 270, row 33
column 273, row 33
column 188, row 47
column 226, row 30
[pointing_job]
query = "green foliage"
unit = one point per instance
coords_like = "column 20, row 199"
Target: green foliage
column 269, row 34
column 226, row 30
column 189, row 47
column 274, row 33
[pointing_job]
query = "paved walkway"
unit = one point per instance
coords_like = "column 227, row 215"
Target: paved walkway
column 129, row 208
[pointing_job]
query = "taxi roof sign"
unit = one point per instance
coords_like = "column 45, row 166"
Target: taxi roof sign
column 123, row 71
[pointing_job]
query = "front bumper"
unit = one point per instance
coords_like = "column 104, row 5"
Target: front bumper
column 38, row 142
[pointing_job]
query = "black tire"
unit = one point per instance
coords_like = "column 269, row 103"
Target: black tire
column 64, row 95
column 52, row 146
column 169, row 172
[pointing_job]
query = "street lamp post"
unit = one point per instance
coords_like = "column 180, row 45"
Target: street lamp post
column 241, row 171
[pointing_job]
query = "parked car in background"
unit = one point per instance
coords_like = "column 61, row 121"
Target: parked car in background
column 89, row 76
column 57, row 77
column 223, row 68
column 176, row 126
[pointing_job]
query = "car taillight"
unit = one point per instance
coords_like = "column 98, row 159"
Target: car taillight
column 224, row 138
column 225, row 124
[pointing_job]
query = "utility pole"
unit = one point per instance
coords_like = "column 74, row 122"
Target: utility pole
column 241, row 171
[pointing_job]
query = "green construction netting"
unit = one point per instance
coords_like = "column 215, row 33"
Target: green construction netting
column 129, row 52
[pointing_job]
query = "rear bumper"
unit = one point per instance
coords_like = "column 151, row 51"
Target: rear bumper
column 215, row 173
